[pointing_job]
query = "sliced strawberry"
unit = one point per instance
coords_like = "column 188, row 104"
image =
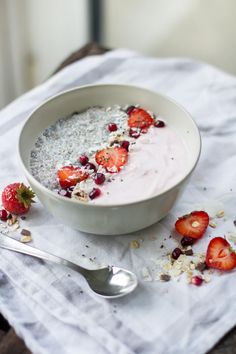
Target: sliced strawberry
column 193, row 225
column 112, row 159
column 220, row 255
column 139, row 118
column 69, row 176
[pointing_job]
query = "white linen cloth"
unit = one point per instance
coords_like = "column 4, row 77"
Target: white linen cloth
column 51, row 307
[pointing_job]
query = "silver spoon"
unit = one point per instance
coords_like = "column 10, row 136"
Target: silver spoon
column 109, row 282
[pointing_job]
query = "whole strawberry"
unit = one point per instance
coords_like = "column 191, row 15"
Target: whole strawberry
column 17, row 198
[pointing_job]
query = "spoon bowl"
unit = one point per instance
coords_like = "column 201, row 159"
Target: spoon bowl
column 112, row 282
column 108, row 282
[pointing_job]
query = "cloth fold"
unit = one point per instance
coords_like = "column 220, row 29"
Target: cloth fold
column 51, row 307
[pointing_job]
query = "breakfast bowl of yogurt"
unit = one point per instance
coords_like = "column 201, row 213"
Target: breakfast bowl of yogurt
column 109, row 159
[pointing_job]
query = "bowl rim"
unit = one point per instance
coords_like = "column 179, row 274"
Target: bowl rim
column 98, row 205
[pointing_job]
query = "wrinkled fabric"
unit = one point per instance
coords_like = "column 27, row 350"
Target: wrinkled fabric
column 51, row 307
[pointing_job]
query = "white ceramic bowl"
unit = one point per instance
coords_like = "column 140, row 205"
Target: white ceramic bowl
column 112, row 219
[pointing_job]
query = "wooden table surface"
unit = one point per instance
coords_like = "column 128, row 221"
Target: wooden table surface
column 10, row 343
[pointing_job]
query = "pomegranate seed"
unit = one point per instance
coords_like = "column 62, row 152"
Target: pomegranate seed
column 159, row 124
column 3, row 215
column 176, row 253
column 130, row 109
column 134, row 133
column 187, row 241
column 125, row 145
column 65, row 193
column 112, row 127
column 94, row 193
column 83, row 159
column 196, row 280
column 99, row 178
column 91, row 166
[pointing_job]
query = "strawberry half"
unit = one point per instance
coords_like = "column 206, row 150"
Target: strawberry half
column 139, row 118
column 69, row 176
column 112, row 159
column 192, row 225
column 220, row 255
column 17, row 198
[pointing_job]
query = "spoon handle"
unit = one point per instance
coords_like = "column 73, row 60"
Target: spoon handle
column 14, row 245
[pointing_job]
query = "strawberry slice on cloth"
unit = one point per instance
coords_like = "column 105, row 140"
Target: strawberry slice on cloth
column 193, row 225
column 220, row 254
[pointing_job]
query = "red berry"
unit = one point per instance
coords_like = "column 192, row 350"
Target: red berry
column 83, row 159
column 99, row 178
column 193, row 225
column 220, row 254
column 17, row 198
column 94, row 193
column 134, row 133
column 3, row 215
column 129, row 109
column 69, row 176
column 139, row 118
column 125, row 144
column 196, row 280
column 90, row 166
column 176, row 253
column 112, row 159
column 112, row 127
column 159, row 124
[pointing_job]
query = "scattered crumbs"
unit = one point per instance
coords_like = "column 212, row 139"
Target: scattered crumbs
column 121, row 180
column 170, row 236
column 235, row 223
column 87, row 246
column 201, row 266
column 146, row 274
column 220, row 214
column 108, row 193
column 162, row 246
column 134, row 244
column 25, row 239
column 204, row 188
column 206, row 277
column 165, row 277
column 114, row 311
column 172, row 158
column 188, row 252
column 91, row 259
column 81, row 292
column 14, row 227
column 212, row 224
column 9, row 216
column 23, row 217
column 231, row 190
column 25, row 232
column 11, row 220
column 164, row 239
column 83, row 255
column 69, row 275
column 192, row 266
column 152, row 238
